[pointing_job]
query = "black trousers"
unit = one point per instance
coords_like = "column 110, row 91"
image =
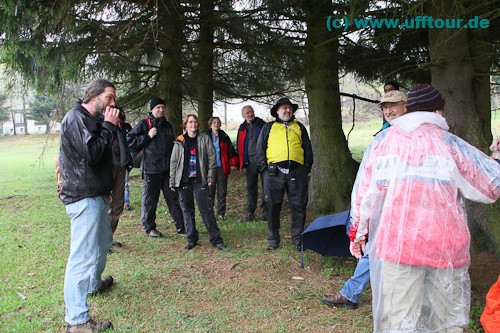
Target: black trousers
column 252, row 174
column 151, row 186
column 295, row 184
column 221, row 187
column 187, row 194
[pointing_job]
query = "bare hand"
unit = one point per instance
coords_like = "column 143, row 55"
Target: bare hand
column 358, row 248
column 152, row 132
column 111, row 114
column 495, row 145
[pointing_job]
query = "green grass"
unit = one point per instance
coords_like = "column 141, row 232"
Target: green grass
column 159, row 286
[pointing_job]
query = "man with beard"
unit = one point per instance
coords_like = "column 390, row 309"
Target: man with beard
column 284, row 151
column 87, row 134
column 155, row 136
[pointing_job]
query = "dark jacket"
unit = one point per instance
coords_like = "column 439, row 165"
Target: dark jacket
column 242, row 140
column 157, row 151
column 228, row 154
column 206, row 159
column 263, row 142
column 85, row 155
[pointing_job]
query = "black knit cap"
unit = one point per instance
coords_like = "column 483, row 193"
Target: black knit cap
column 280, row 102
column 424, row 97
column 155, row 101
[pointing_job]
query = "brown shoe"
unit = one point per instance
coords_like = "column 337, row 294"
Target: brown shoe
column 338, row 300
column 90, row 326
column 106, row 283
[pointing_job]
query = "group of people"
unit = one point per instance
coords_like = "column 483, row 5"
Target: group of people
column 95, row 158
column 408, row 223
column 407, row 200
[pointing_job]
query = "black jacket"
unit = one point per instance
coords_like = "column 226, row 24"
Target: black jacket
column 157, row 151
column 85, row 155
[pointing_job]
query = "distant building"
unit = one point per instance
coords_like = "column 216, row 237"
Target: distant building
column 7, row 127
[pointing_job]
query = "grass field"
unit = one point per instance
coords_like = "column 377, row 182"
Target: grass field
column 159, row 286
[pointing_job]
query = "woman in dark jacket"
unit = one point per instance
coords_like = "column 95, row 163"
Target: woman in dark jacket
column 226, row 157
column 192, row 172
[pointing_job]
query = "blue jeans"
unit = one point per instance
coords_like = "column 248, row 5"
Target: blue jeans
column 91, row 239
column 355, row 286
column 126, row 192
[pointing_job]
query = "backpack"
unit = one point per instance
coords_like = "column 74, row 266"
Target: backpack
column 137, row 154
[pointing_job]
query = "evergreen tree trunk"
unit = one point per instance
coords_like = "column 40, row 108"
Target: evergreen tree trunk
column 206, row 63
column 467, row 108
column 170, row 72
column 334, row 169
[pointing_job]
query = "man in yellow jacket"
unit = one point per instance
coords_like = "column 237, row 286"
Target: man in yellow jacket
column 285, row 154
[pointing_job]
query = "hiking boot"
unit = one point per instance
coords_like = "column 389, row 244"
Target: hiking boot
column 189, row 245
column 90, row 326
column 221, row 246
column 249, row 217
column 338, row 300
column 297, row 245
column 271, row 246
column 106, row 283
column 154, row 233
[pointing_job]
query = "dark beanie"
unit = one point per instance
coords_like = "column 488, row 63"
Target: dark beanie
column 424, row 97
column 155, row 101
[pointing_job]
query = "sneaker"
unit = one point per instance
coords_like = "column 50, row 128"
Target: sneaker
column 338, row 300
column 154, row 233
column 271, row 246
column 106, row 283
column 221, row 217
column 221, row 246
column 90, row 326
column 189, row 245
column 127, row 207
column 181, row 231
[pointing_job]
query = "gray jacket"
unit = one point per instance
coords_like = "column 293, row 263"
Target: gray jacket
column 206, row 158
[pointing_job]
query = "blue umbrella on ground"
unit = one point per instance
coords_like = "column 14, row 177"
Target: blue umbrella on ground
column 327, row 235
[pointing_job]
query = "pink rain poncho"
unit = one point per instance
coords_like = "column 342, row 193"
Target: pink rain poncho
column 408, row 201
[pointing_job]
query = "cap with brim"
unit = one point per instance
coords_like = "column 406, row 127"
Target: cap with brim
column 393, row 96
column 280, row 102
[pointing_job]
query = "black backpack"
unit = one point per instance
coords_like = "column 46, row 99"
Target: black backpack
column 137, row 154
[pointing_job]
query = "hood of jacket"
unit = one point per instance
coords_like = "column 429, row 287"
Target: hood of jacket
column 410, row 121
